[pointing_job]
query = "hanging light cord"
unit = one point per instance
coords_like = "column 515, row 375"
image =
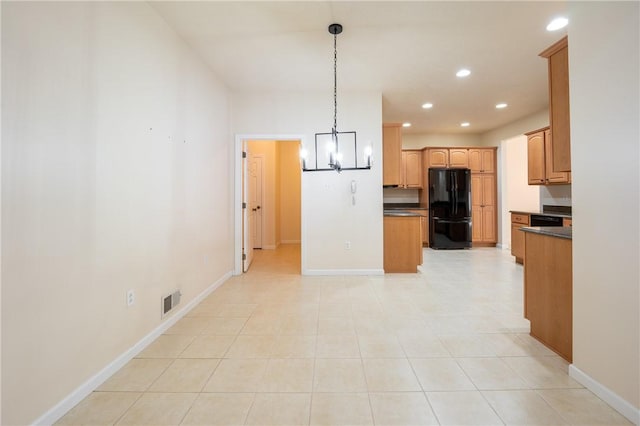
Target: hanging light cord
column 335, row 83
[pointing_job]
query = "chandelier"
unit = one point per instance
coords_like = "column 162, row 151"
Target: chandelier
column 340, row 148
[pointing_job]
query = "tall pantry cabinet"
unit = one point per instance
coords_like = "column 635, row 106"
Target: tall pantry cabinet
column 482, row 162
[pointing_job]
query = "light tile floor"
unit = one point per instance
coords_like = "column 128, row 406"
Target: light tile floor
column 445, row 346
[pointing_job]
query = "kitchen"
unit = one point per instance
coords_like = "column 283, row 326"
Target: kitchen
column 456, row 208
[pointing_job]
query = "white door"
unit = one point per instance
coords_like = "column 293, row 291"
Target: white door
column 247, row 240
column 255, row 200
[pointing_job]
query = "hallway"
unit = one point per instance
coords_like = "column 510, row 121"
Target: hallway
column 445, row 346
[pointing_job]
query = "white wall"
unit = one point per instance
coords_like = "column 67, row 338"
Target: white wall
column 417, row 141
column 115, row 176
column 604, row 89
column 518, row 127
column 517, row 194
column 555, row 195
column 328, row 217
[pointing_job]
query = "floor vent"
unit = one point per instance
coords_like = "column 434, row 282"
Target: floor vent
column 170, row 301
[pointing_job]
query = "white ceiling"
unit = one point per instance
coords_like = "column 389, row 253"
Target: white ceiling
column 409, row 51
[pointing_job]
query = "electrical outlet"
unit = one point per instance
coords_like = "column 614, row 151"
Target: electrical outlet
column 347, row 245
column 131, row 297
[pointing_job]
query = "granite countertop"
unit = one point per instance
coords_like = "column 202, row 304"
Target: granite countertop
column 403, row 206
column 565, row 232
column 403, row 213
column 554, row 214
column 549, row 210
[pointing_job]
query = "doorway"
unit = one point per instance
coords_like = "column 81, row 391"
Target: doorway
column 271, row 195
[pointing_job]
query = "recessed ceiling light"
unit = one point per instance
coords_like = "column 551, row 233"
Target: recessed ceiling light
column 427, row 105
column 465, row 124
column 557, row 23
column 463, row 73
column 406, row 124
column 501, row 105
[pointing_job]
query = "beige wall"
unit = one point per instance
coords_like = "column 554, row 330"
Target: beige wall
column 417, row 141
column 115, row 176
column 526, row 124
column 290, row 172
column 604, row 88
column 516, row 192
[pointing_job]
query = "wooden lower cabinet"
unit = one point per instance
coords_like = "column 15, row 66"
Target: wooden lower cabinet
column 518, row 220
column 402, row 244
column 424, row 225
column 548, row 293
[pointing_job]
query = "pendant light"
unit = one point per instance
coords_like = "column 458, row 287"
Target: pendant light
column 337, row 145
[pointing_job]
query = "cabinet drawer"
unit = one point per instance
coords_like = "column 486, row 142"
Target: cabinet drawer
column 522, row 219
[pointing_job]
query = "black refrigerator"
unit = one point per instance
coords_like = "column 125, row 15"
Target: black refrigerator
column 449, row 208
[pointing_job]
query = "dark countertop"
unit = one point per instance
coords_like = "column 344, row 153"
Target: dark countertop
column 400, row 213
column 540, row 213
column 551, row 231
column 403, row 206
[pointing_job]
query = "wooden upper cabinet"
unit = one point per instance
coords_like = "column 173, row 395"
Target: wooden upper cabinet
column 536, row 158
column 540, row 159
column 392, row 154
column 438, row 157
column 551, row 176
column 459, row 158
column 412, row 169
column 559, row 118
column 449, row 157
column 482, row 160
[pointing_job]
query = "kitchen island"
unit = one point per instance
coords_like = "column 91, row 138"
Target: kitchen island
column 548, row 286
column 402, row 241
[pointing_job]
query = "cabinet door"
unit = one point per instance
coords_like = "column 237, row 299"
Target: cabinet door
column 482, row 160
column 391, row 154
column 517, row 242
column 535, row 158
column 425, row 230
column 459, row 158
column 551, row 176
column 559, row 109
column 412, row 168
column 476, row 223
column 475, row 160
column 488, row 190
column 438, row 157
column 489, row 224
column 488, row 160
column 476, row 190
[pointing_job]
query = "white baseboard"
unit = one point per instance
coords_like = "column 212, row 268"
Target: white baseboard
column 71, row 400
column 334, row 272
column 607, row 395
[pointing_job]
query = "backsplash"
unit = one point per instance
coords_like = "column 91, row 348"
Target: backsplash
column 555, row 195
column 397, row 195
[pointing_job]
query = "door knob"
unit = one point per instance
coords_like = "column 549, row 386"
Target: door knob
column 258, row 207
